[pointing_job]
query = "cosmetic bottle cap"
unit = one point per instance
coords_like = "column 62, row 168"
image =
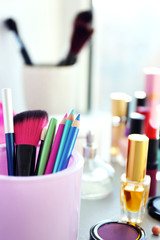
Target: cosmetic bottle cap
column 136, row 122
column 152, row 82
column 140, row 97
column 137, row 157
column 90, row 150
column 120, row 104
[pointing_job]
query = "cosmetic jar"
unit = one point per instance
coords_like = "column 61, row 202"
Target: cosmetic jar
column 117, row 230
column 154, row 207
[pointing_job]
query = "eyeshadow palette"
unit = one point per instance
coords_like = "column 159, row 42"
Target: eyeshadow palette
column 106, row 230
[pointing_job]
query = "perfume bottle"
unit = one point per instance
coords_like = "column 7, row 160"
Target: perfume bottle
column 135, row 184
column 97, row 175
column 120, row 108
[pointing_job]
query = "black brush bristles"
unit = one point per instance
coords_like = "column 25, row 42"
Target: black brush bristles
column 79, row 38
column 12, row 26
column 84, row 17
column 27, row 128
column 82, row 31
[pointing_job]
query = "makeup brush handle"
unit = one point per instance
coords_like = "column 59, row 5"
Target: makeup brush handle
column 10, row 153
column 25, row 158
column 23, row 50
column 38, row 158
column 26, row 57
column 69, row 60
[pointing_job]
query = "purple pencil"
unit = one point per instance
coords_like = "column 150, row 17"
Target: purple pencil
column 54, row 150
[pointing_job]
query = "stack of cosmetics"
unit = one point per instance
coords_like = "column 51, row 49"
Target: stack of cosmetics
column 135, row 143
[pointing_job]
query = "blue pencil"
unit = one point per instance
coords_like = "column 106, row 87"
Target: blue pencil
column 69, row 144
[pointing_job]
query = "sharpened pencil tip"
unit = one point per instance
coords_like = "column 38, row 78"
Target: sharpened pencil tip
column 72, row 112
column 66, row 115
column 78, row 117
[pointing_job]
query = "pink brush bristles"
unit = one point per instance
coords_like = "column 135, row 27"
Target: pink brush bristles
column 28, row 126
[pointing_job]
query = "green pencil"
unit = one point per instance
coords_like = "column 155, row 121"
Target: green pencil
column 47, row 145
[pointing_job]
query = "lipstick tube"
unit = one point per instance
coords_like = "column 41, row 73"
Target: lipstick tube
column 152, row 89
column 152, row 160
column 144, row 110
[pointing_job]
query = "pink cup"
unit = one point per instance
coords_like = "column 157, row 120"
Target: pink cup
column 40, row 207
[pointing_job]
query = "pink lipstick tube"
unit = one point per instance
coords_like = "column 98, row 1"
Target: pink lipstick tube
column 152, row 89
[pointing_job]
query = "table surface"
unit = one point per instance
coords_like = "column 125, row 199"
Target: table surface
column 93, row 211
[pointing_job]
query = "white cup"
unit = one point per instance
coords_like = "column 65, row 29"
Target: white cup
column 50, row 88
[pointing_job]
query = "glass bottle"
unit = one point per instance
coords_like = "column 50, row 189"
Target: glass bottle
column 135, row 183
column 120, row 108
column 97, row 175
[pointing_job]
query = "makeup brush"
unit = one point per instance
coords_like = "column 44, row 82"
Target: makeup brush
column 43, row 135
column 9, row 129
column 11, row 25
column 28, row 127
column 2, row 132
column 84, row 17
column 81, row 34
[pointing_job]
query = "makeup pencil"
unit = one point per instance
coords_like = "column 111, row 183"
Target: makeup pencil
column 69, row 145
column 55, row 146
column 43, row 135
column 28, row 126
column 9, row 129
column 47, row 146
column 67, row 126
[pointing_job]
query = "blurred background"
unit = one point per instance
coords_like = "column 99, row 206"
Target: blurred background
column 126, row 39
